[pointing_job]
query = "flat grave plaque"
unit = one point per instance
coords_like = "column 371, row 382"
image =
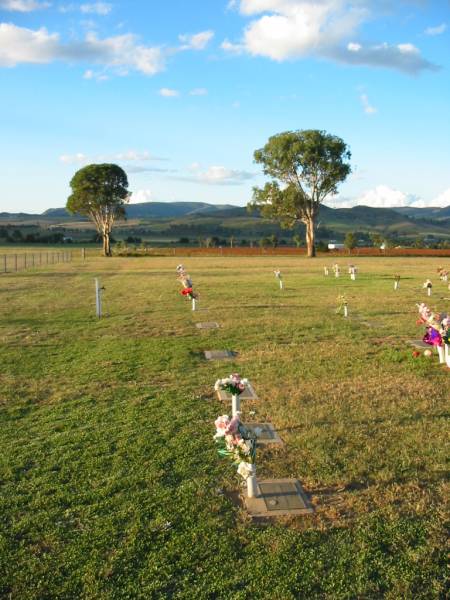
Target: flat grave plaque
column 248, row 394
column 219, row 354
column 419, row 344
column 209, row 325
column 279, row 497
column 265, row 432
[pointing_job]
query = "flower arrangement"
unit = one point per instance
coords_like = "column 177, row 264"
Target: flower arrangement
column 342, row 304
column 436, row 326
column 235, row 442
column 278, row 274
column 427, row 284
column 188, row 291
column 443, row 274
column 186, row 281
column 234, row 384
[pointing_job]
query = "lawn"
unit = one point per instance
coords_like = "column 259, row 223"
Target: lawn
column 110, row 483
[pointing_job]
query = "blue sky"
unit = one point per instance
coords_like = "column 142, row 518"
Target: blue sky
column 180, row 94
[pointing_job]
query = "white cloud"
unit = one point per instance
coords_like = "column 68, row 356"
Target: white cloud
column 128, row 156
column 289, row 29
column 121, row 53
column 198, row 92
column 141, row 196
column 217, row 175
column 22, row 5
column 368, row 108
column 168, row 93
column 198, row 41
column 72, row 159
column 384, row 196
column 442, row 200
column 94, row 75
column 97, row 8
column 438, row 30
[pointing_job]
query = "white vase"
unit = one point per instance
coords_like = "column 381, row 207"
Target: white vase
column 441, row 353
column 429, row 291
column 395, row 285
column 235, row 404
column 281, row 285
column 252, row 484
column 193, row 303
column 447, row 355
column 345, row 310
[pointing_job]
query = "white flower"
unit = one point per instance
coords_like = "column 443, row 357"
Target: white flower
column 245, row 469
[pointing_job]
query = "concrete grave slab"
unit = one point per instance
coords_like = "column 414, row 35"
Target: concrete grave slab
column 419, row 344
column 208, row 325
column 278, row 497
column 266, row 433
column 248, row 394
column 219, row 354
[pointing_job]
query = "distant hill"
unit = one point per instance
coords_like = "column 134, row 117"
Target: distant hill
column 154, row 210
column 173, row 221
column 424, row 213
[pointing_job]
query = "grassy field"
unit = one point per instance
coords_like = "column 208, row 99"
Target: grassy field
column 110, row 484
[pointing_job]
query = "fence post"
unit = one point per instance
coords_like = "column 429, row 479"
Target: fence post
column 25, row 260
column 32, row 259
column 83, row 253
column 4, row 261
column 15, row 262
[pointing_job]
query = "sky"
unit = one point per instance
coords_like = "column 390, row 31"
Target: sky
column 181, row 93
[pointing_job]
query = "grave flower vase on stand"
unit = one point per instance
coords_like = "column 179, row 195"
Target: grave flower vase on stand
column 235, row 404
column 193, row 304
column 447, row 354
column 345, row 310
column 281, row 284
column 252, row 483
column 396, row 285
column 441, row 353
column 429, row 291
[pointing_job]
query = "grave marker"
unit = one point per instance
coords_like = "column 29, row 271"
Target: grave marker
column 219, row 354
column 208, row 325
column 278, row 497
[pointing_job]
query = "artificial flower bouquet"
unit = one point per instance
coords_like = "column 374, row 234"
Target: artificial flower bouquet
column 278, row 274
column 189, row 292
column 234, row 384
column 236, row 442
column 434, row 324
column 342, row 303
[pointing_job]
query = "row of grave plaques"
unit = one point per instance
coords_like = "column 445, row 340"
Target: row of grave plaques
column 274, row 497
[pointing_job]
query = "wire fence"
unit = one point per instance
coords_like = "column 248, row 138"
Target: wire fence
column 11, row 263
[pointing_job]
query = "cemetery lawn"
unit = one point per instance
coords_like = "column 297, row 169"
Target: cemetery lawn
column 110, row 483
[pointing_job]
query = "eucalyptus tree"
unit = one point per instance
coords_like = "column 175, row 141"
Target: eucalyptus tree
column 306, row 166
column 100, row 192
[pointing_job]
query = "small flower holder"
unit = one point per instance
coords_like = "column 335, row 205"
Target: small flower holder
column 326, row 272
column 441, row 354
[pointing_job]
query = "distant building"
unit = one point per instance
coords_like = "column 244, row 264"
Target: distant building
column 333, row 245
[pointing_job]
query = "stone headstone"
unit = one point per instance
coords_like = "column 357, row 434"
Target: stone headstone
column 266, row 433
column 278, row 497
column 219, row 354
column 419, row 344
column 209, row 325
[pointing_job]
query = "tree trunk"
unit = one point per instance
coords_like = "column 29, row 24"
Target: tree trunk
column 106, row 244
column 310, row 238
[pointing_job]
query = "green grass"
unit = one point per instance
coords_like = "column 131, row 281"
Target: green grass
column 110, row 485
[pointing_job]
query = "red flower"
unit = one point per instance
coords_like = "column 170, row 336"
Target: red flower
column 416, row 354
column 186, row 291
